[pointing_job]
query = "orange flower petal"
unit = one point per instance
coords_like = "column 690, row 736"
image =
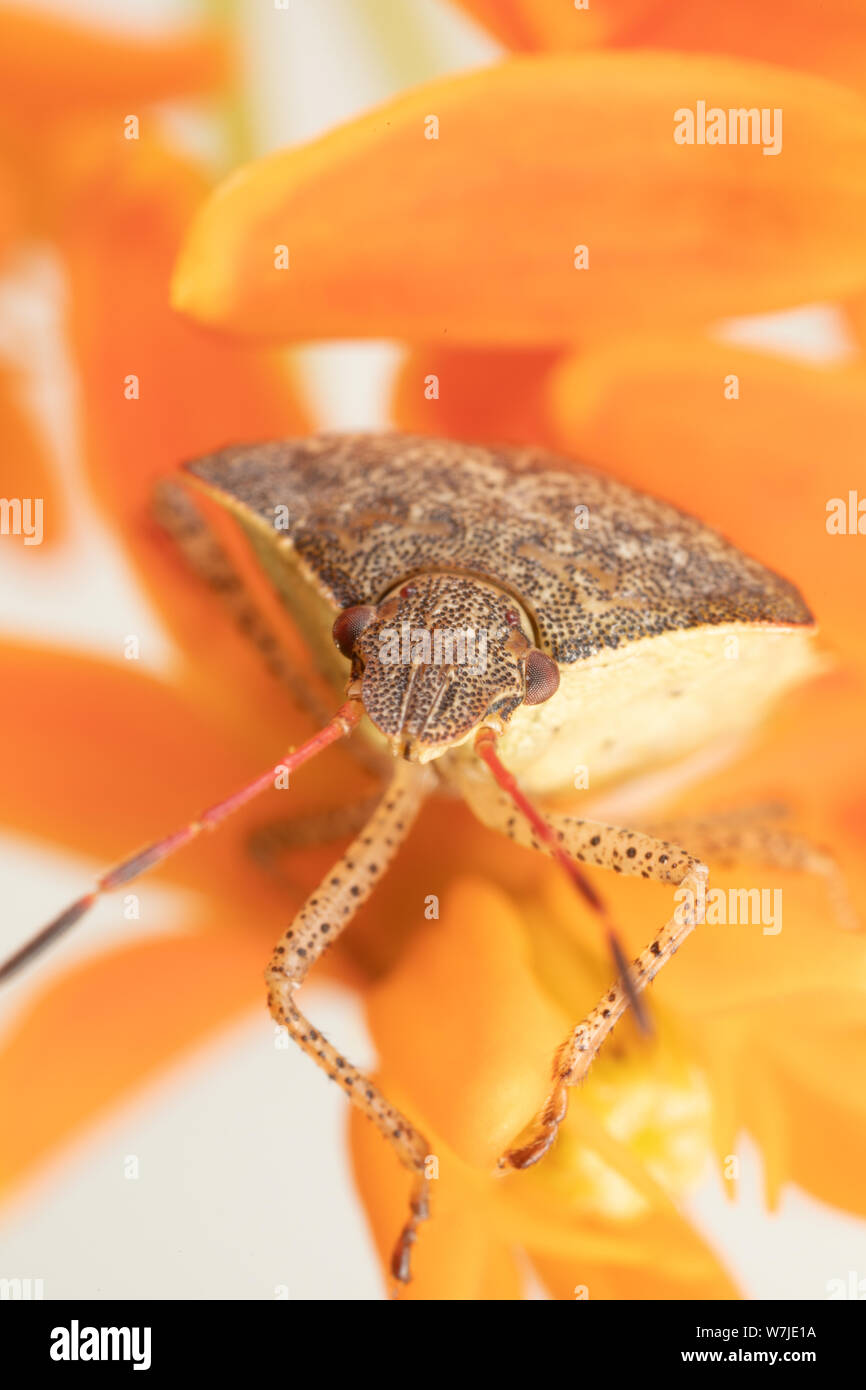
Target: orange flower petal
column 761, row 467
column 393, row 235
column 478, row 1221
column 10, row 203
column 819, row 1072
column 458, row 1254
column 102, row 758
column 791, row 33
column 856, row 314
column 473, row 969
column 47, row 60
column 105, row 1028
column 726, row 969
column 677, row 1264
column 468, row 394
column 829, row 39
column 195, row 394
column 539, row 24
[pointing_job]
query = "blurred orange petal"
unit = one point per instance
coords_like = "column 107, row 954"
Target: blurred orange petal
column 106, row 1027
column 48, row 60
column 755, row 445
column 459, row 1254
column 473, row 969
column 677, row 1264
column 818, row 1071
column 480, row 1222
column 464, row 393
column 855, row 310
column 829, row 38
column 195, row 394
column 428, row 242
column 539, row 24
column 732, row 965
column 102, row 758
column 10, row 203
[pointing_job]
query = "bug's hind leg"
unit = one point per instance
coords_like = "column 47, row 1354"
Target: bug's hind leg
column 327, row 911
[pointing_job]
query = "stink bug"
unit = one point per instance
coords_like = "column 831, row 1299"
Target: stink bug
column 492, row 617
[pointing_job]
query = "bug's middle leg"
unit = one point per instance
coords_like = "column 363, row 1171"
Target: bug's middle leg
column 327, row 911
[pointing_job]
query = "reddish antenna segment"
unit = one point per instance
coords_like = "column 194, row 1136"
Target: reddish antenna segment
column 343, row 722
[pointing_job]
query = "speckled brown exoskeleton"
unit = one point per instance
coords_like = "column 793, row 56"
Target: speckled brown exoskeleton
column 582, row 624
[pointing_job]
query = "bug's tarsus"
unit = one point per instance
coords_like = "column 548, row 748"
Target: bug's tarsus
column 342, row 723
column 419, row 1210
column 485, row 745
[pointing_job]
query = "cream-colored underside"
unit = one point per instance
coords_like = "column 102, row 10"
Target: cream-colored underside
column 655, row 701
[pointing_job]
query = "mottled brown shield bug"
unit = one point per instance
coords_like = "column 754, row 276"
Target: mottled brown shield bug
column 489, row 645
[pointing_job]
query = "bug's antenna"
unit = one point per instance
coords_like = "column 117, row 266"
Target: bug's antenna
column 343, row 723
column 485, row 746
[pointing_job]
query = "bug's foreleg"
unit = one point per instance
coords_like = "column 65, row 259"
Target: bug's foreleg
column 622, row 851
column 581, row 1047
column 627, row 852
column 327, row 911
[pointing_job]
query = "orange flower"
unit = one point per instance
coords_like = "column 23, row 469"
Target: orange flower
column 120, row 210
column 53, row 72
column 58, row 79
column 389, row 233
column 428, row 243
column 830, row 38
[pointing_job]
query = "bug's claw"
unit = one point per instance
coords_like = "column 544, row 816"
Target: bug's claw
column 540, row 1134
column 419, row 1210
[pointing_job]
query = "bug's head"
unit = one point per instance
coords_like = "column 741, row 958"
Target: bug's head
column 440, row 656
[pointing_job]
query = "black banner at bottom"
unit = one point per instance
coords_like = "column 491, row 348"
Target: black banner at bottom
column 157, row 1339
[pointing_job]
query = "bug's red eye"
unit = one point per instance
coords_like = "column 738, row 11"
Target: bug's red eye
column 350, row 624
column 512, row 617
column 408, row 590
column 542, row 678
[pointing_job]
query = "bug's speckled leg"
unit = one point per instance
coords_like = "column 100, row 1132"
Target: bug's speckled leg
column 581, row 1047
column 176, row 513
column 625, row 852
column 327, row 911
column 753, row 834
